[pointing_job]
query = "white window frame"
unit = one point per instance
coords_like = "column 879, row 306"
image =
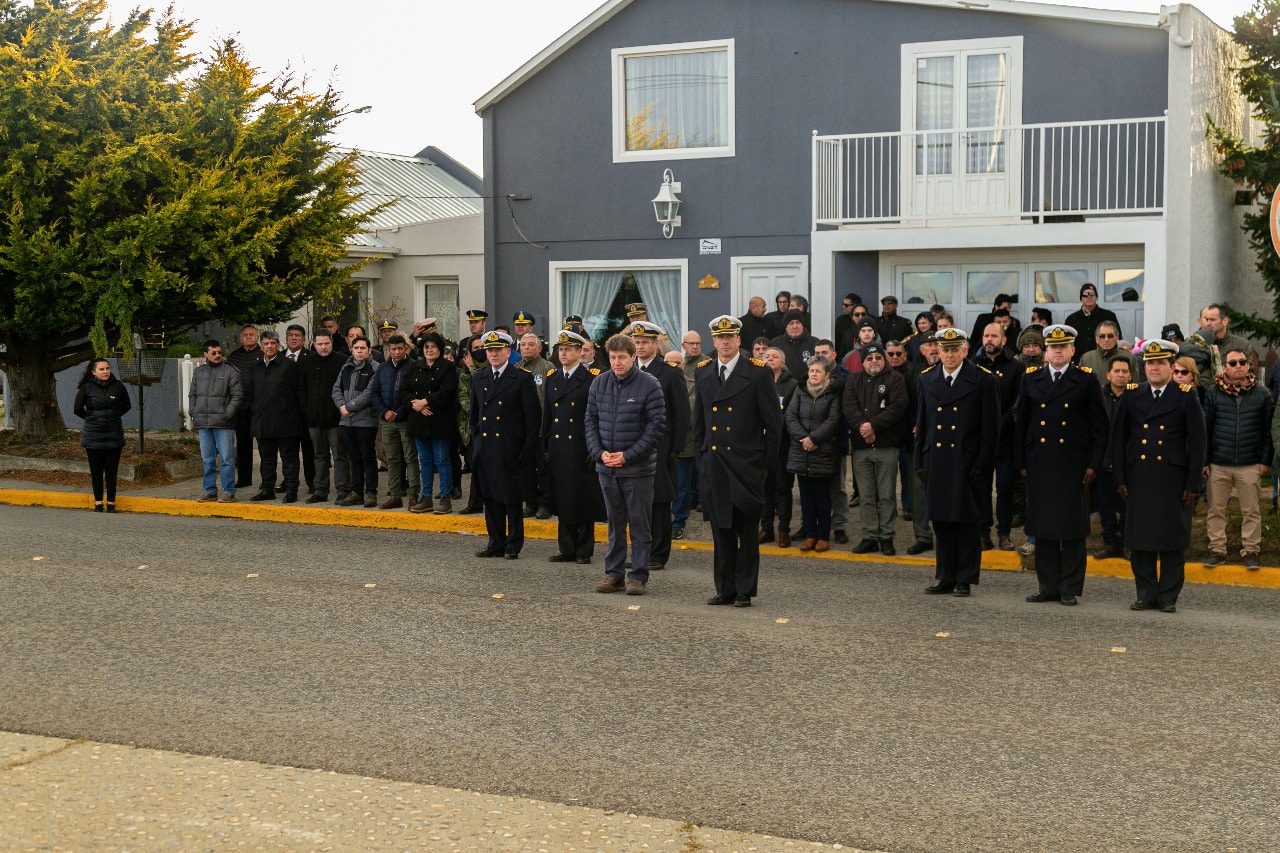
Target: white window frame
column 555, row 298
column 619, row 57
column 738, row 264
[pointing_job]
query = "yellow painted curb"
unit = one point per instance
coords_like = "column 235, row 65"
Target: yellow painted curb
column 333, row 516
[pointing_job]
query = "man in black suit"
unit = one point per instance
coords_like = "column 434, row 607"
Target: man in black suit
column 504, row 432
column 957, row 428
column 736, row 428
column 1060, row 435
column 574, row 487
column 1158, row 450
column 676, row 400
column 279, row 399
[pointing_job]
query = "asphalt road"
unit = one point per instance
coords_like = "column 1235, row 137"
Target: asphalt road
column 854, row 722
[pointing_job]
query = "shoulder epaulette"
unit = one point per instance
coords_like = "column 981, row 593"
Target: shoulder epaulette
column 1085, row 369
column 594, row 371
column 983, row 369
column 550, row 372
column 1186, row 388
column 1032, row 369
column 704, row 362
column 927, row 369
column 757, row 362
column 1132, row 386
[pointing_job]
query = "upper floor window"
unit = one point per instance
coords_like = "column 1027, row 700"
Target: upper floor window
column 673, row 101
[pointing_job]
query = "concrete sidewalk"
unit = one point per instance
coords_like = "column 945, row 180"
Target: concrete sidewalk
column 179, row 499
column 79, row 795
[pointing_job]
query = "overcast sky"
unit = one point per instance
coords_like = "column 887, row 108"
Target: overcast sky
column 421, row 64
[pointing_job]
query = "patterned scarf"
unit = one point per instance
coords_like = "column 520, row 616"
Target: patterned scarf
column 1226, row 387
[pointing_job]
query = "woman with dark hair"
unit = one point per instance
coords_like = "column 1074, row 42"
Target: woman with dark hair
column 925, row 327
column 102, row 402
column 431, row 387
column 813, row 427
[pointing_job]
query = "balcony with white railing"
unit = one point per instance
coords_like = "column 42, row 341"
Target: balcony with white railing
column 1063, row 172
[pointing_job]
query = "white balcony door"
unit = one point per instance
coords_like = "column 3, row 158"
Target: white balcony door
column 960, row 99
column 764, row 277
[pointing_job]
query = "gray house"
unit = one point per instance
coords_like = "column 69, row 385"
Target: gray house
column 938, row 151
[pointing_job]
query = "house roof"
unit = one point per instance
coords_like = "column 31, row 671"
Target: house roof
column 1009, row 7
column 423, row 191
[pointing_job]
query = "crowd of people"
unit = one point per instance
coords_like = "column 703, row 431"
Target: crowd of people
column 966, row 433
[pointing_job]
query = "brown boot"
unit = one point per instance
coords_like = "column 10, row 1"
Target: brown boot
column 808, row 544
column 446, row 506
column 392, row 503
column 784, row 539
column 423, row 505
column 821, row 545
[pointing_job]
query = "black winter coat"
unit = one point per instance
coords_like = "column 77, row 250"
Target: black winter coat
column 103, row 406
column 319, row 372
column 437, row 384
column 278, row 398
column 818, row 419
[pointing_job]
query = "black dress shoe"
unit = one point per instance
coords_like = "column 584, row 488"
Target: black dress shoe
column 919, row 547
column 866, row 546
column 488, row 552
column 840, row 538
column 1041, row 597
column 742, row 601
column 1069, row 600
column 1168, row 608
column 583, row 561
column 560, row 558
column 264, row 495
column 511, row 555
column 470, row 510
column 886, row 548
column 1142, row 605
column 720, row 599
column 961, row 590
column 938, row 589
column 290, row 498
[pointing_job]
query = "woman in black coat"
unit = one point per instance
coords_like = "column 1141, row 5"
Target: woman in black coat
column 431, row 387
column 813, row 427
column 102, row 402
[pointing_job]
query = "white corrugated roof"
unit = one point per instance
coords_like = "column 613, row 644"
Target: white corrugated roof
column 421, row 190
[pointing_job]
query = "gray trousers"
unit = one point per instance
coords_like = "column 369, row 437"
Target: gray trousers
column 840, row 496
column 875, row 469
column 629, row 503
column 402, row 455
column 326, row 443
column 920, row 510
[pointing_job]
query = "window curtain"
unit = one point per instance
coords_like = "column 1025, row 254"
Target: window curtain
column 589, row 295
column 660, row 290
column 677, row 100
column 935, row 110
column 986, row 105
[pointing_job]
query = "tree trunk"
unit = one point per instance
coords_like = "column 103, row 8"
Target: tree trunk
column 33, row 402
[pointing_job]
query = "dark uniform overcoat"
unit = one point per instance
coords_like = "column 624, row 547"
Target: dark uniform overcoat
column 736, row 430
column 575, row 486
column 1060, row 430
column 504, row 427
column 672, row 440
column 1158, row 449
column 957, row 427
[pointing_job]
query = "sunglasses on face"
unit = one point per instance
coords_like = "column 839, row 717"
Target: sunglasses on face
column 1237, row 363
column 1105, row 335
column 1182, row 370
column 859, row 313
column 896, row 354
column 1087, row 294
column 848, row 305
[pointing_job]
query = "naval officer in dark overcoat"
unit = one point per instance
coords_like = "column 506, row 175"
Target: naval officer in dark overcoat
column 1060, row 436
column 675, row 397
column 575, row 488
column 957, row 429
column 504, row 422
column 737, row 425
column 1158, row 450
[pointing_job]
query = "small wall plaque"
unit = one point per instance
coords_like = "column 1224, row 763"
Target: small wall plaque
column 709, row 246
column 708, row 282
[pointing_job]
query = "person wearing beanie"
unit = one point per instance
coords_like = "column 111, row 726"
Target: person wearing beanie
column 796, row 343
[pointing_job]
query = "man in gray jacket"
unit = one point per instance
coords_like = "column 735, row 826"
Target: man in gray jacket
column 213, row 403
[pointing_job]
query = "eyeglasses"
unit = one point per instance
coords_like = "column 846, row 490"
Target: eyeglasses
column 1088, row 293
column 898, row 354
column 1235, row 363
column 1105, row 335
column 848, row 305
column 1181, row 371
column 859, row 313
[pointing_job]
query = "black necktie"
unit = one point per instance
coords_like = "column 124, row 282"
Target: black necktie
column 1158, row 390
column 724, row 373
column 951, row 380
column 1055, row 374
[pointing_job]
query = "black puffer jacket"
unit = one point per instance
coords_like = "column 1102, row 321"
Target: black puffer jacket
column 103, row 406
column 1238, row 428
column 818, row 419
column 437, row 384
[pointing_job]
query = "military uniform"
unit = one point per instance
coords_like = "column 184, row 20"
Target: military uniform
column 1060, row 432
column 636, row 311
column 736, row 429
column 537, row 486
column 1158, row 452
column 575, row 489
column 504, row 434
column 957, row 428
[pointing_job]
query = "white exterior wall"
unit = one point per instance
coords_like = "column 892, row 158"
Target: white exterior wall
column 443, row 248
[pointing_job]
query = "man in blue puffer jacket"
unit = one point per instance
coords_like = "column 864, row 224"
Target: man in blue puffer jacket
column 626, row 414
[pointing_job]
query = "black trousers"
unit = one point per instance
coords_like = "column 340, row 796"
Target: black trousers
column 286, row 447
column 1060, row 565
column 737, row 555
column 576, row 540
column 104, row 470
column 1161, row 587
column 244, row 450
column 958, row 551
column 505, row 525
column 660, row 531
column 308, row 459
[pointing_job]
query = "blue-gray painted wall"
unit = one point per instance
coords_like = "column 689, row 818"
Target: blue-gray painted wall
column 829, row 65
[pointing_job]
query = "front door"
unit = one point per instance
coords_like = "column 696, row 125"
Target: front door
column 764, row 277
column 963, row 159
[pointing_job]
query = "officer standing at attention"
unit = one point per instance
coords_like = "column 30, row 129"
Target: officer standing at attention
column 676, row 400
column 737, row 425
column 504, row 432
column 1060, row 435
column 1158, row 449
column 638, row 312
column 957, row 428
column 575, row 488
